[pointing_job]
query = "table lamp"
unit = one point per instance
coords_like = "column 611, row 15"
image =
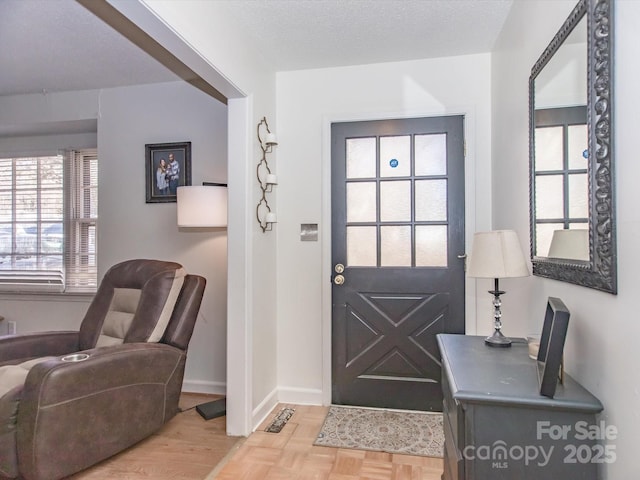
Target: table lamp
column 497, row 254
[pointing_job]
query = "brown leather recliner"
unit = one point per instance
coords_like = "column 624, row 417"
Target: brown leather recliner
column 69, row 400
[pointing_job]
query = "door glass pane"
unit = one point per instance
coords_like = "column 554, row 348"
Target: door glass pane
column 431, row 200
column 549, row 203
column 431, row 246
column 548, row 148
column 431, row 154
column 361, row 157
column 362, row 247
column 578, row 146
column 395, row 156
column 395, row 201
column 395, row 248
column 578, row 196
column 361, row 202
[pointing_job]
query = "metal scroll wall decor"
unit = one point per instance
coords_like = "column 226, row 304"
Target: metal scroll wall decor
column 266, row 178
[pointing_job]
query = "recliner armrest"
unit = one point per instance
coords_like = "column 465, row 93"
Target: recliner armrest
column 31, row 345
column 75, row 414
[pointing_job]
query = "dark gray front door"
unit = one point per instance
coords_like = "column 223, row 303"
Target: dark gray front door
column 397, row 232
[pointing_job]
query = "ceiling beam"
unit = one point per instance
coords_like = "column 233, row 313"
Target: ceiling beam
column 111, row 16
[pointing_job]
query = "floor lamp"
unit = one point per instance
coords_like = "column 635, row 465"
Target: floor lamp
column 497, row 254
column 204, row 207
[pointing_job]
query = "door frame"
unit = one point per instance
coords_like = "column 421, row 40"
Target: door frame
column 477, row 215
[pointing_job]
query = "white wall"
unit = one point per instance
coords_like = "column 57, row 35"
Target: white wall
column 308, row 101
column 207, row 29
column 130, row 228
column 600, row 347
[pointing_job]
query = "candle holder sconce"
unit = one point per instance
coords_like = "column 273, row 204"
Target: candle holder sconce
column 266, row 179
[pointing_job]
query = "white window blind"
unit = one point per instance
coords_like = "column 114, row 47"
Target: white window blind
column 48, row 221
column 82, row 221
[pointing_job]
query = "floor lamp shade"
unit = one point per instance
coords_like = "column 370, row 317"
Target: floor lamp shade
column 202, row 206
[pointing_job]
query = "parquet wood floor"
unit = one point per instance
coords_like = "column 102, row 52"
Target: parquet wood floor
column 290, row 455
column 190, row 448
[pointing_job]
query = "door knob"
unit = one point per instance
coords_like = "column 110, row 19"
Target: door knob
column 338, row 279
column 339, row 268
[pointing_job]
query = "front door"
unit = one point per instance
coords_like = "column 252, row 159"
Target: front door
column 397, row 242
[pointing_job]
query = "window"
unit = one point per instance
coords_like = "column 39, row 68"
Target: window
column 48, row 222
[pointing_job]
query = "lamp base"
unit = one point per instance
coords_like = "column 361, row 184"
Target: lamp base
column 498, row 340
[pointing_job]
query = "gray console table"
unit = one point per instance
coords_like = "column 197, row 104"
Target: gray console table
column 498, row 426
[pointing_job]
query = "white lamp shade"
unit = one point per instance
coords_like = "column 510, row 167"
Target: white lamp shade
column 497, row 254
column 202, row 206
column 570, row 244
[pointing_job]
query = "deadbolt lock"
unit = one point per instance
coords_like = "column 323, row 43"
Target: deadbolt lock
column 338, row 279
column 339, row 268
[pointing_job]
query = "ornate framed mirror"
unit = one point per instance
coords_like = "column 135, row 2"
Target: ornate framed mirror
column 571, row 183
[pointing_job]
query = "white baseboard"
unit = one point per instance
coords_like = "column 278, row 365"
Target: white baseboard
column 297, row 396
column 264, row 409
column 203, row 386
column 300, row 396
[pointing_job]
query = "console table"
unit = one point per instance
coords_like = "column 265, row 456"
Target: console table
column 498, row 426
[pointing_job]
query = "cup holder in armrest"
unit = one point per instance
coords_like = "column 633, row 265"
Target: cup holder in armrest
column 75, row 357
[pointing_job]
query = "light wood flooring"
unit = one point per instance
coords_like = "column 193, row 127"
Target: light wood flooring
column 291, row 454
column 191, row 448
column 186, row 448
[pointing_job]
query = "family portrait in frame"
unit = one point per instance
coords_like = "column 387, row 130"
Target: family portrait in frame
column 168, row 166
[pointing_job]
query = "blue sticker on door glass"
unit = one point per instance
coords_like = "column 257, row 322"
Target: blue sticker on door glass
column 393, row 162
column 585, row 153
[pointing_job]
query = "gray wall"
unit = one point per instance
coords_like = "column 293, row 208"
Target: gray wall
column 128, row 118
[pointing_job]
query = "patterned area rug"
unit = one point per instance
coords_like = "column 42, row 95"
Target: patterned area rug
column 392, row 431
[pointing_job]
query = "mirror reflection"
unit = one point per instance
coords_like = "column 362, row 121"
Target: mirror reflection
column 561, row 156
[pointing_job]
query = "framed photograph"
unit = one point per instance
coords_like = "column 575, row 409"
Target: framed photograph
column 168, row 166
column 554, row 332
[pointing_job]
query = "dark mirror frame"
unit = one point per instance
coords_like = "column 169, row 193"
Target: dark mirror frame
column 600, row 271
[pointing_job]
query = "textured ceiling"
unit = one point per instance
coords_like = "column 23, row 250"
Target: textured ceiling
column 324, row 33
column 57, row 45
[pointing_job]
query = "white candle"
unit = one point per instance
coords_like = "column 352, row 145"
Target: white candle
column 272, row 179
column 270, row 139
column 271, row 218
column 534, row 346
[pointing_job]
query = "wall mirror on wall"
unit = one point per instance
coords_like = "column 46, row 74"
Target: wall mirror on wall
column 573, row 236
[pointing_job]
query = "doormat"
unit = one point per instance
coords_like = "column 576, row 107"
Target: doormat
column 391, row 431
column 280, row 421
